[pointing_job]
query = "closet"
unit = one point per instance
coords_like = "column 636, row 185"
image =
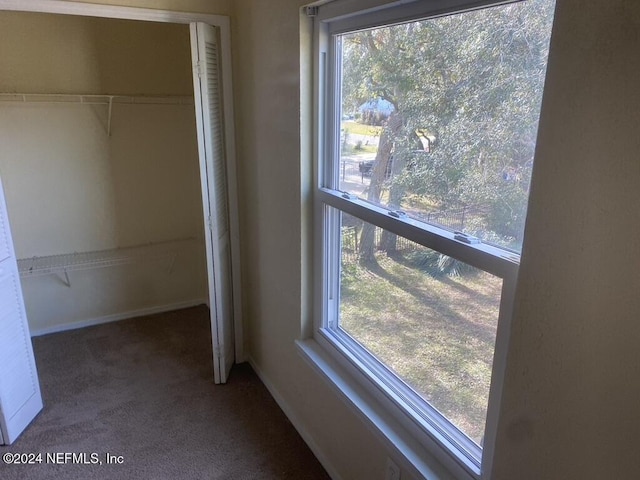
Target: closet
column 100, row 167
column 103, row 145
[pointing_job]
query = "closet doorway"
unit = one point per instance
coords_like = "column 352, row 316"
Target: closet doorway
column 120, row 235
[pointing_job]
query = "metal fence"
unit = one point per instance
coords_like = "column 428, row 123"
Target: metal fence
column 451, row 219
column 352, row 229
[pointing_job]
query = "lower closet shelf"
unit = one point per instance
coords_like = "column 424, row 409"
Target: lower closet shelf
column 62, row 264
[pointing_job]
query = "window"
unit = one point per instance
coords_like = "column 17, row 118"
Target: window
column 427, row 129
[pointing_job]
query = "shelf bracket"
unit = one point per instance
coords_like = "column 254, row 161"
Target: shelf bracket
column 109, row 116
column 66, row 279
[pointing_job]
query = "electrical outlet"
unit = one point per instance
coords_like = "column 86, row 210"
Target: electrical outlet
column 393, row 470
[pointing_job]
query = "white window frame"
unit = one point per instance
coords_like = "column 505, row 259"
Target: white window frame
column 376, row 393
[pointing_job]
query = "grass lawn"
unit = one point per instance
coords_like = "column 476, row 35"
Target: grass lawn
column 363, row 149
column 361, row 128
column 436, row 332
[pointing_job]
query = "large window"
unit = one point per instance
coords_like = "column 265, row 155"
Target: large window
column 426, row 144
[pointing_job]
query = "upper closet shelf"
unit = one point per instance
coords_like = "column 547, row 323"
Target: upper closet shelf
column 96, row 99
column 106, row 100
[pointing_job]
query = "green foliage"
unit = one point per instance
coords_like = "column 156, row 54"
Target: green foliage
column 437, row 265
column 474, row 82
column 507, row 210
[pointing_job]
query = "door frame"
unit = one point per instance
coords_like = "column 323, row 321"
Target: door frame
column 167, row 16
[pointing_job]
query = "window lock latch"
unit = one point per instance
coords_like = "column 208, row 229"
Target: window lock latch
column 347, row 195
column 463, row 237
column 312, row 11
column 398, row 214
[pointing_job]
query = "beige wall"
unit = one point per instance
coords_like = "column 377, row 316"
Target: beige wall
column 573, row 380
column 44, row 53
column 154, row 162
column 54, row 162
column 72, row 188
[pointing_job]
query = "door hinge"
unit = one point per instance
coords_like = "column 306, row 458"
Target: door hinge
column 197, row 69
column 210, row 222
column 312, row 11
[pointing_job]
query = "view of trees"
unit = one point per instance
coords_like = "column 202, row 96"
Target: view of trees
column 471, row 84
column 440, row 120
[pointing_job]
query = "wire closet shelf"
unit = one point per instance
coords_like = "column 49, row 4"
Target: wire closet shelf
column 107, row 101
column 65, row 263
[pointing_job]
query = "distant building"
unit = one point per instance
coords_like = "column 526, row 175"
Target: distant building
column 374, row 112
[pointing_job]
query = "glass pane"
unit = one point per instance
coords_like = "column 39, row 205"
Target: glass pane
column 430, row 319
column 440, row 117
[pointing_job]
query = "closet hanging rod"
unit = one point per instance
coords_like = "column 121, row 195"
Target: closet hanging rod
column 96, row 99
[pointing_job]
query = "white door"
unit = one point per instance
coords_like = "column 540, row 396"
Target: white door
column 20, row 399
column 212, row 149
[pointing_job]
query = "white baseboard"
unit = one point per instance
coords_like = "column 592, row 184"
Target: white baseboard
column 295, row 421
column 36, row 332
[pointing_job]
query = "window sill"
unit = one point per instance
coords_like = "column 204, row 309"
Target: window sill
column 404, row 447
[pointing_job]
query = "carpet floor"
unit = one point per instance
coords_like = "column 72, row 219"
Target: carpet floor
column 141, row 390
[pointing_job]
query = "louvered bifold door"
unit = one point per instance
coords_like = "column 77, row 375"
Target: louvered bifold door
column 20, row 399
column 213, row 168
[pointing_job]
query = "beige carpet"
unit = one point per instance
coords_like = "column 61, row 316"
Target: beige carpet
column 142, row 389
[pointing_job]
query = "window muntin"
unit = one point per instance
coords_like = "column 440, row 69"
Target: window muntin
column 342, row 191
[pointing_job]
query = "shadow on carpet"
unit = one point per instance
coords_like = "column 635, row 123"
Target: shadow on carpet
column 141, row 390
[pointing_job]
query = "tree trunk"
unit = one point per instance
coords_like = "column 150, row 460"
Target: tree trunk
column 388, row 240
column 378, row 177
